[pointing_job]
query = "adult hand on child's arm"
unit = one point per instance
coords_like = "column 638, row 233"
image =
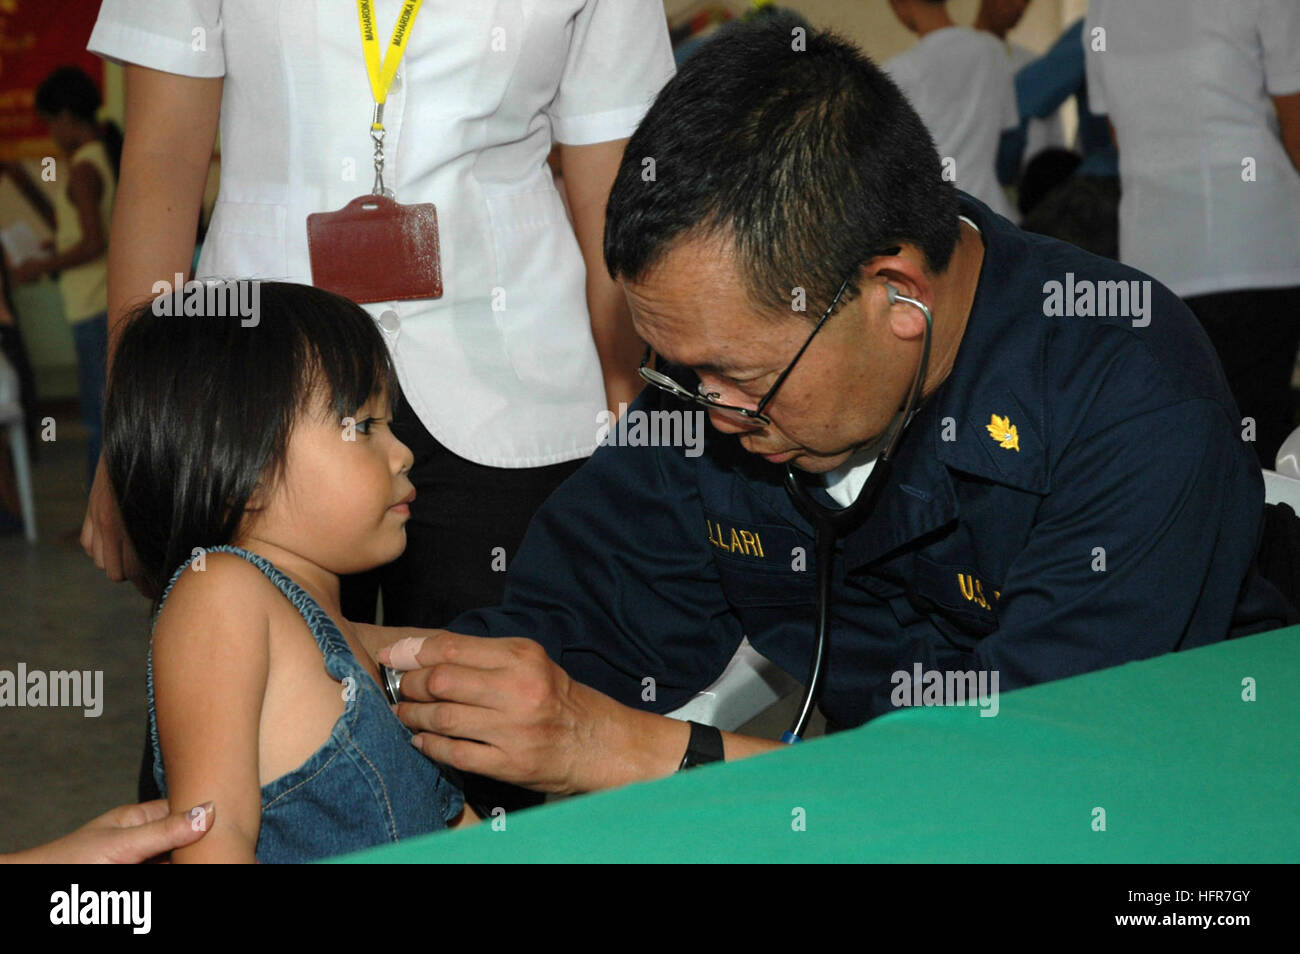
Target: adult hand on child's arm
column 126, row 835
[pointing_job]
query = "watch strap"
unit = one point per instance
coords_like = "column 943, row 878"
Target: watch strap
column 705, row 746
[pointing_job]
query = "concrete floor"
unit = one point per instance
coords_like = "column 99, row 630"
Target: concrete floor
column 59, row 768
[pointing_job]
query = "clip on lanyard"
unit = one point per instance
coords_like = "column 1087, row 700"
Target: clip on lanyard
column 381, row 73
column 375, row 249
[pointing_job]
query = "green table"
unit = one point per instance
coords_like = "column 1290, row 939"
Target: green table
column 1183, row 767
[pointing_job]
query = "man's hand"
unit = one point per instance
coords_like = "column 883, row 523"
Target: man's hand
column 104, row 539
column 502, row 708
column 126, row 835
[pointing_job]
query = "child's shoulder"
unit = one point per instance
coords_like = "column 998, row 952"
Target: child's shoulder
column 218, row 592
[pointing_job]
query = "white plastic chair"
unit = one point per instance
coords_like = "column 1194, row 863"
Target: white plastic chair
column 11, row 418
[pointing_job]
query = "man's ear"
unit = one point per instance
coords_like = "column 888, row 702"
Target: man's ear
column 909, row 279
column 906, row 320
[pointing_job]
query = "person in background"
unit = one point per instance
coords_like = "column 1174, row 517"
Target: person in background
column 1205, row 103
column 1081, row 205
column 960, row 82
column 696, row 25
column 86, row 181
column 1044, row 85
column 1034, row 134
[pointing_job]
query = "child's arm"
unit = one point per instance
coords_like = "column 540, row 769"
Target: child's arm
column 211, row 656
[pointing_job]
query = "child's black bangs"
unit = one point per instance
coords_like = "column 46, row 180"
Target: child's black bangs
column 348, row 366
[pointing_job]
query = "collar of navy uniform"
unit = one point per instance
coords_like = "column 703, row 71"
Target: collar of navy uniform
column 990, row 412
column 996, row 372
column 995, row 384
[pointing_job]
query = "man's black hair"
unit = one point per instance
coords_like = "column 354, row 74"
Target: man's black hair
column 807, row 160
column 200, row 409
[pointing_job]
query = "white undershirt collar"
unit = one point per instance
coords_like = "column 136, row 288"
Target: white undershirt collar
column 846, row 481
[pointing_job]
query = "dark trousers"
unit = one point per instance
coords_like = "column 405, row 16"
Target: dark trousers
column 466, row 524
column 1256, row 333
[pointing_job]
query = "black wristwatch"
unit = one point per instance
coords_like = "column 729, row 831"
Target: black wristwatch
column 705, row 746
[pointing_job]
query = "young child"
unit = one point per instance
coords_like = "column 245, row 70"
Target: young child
column 253, row 464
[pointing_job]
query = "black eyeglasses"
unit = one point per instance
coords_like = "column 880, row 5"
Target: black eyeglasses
column 745, row 415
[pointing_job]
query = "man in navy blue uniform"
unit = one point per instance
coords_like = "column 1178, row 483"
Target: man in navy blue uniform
column 1074, row 492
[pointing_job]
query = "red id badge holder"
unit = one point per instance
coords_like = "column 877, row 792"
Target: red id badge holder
column 376, row 249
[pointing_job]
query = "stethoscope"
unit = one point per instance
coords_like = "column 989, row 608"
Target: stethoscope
column 829, row 523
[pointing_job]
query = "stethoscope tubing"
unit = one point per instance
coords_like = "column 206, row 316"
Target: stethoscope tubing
column 829, row 524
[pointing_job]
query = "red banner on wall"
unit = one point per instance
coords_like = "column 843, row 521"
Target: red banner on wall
column 36, row 38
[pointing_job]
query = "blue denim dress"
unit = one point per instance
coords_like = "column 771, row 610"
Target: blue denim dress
column 365, row 786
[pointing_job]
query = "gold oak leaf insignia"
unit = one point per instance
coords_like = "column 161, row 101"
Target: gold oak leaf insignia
column 1004, row 432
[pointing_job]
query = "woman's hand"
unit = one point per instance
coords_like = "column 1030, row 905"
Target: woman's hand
column 104, row 539
column 126, row 835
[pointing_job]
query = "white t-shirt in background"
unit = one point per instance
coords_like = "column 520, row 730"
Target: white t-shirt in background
column 961, row 83
column 1211, row 200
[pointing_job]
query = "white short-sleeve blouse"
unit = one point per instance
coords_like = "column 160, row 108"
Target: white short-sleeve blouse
column 502, row 369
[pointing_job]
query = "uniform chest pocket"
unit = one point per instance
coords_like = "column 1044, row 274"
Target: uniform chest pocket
column 470, row 52
column 959, row 593
column 761, row 564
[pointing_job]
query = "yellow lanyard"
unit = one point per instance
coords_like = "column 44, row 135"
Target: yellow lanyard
column 381, row 74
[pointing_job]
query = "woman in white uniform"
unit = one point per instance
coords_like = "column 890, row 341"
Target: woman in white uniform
column 505, row 374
